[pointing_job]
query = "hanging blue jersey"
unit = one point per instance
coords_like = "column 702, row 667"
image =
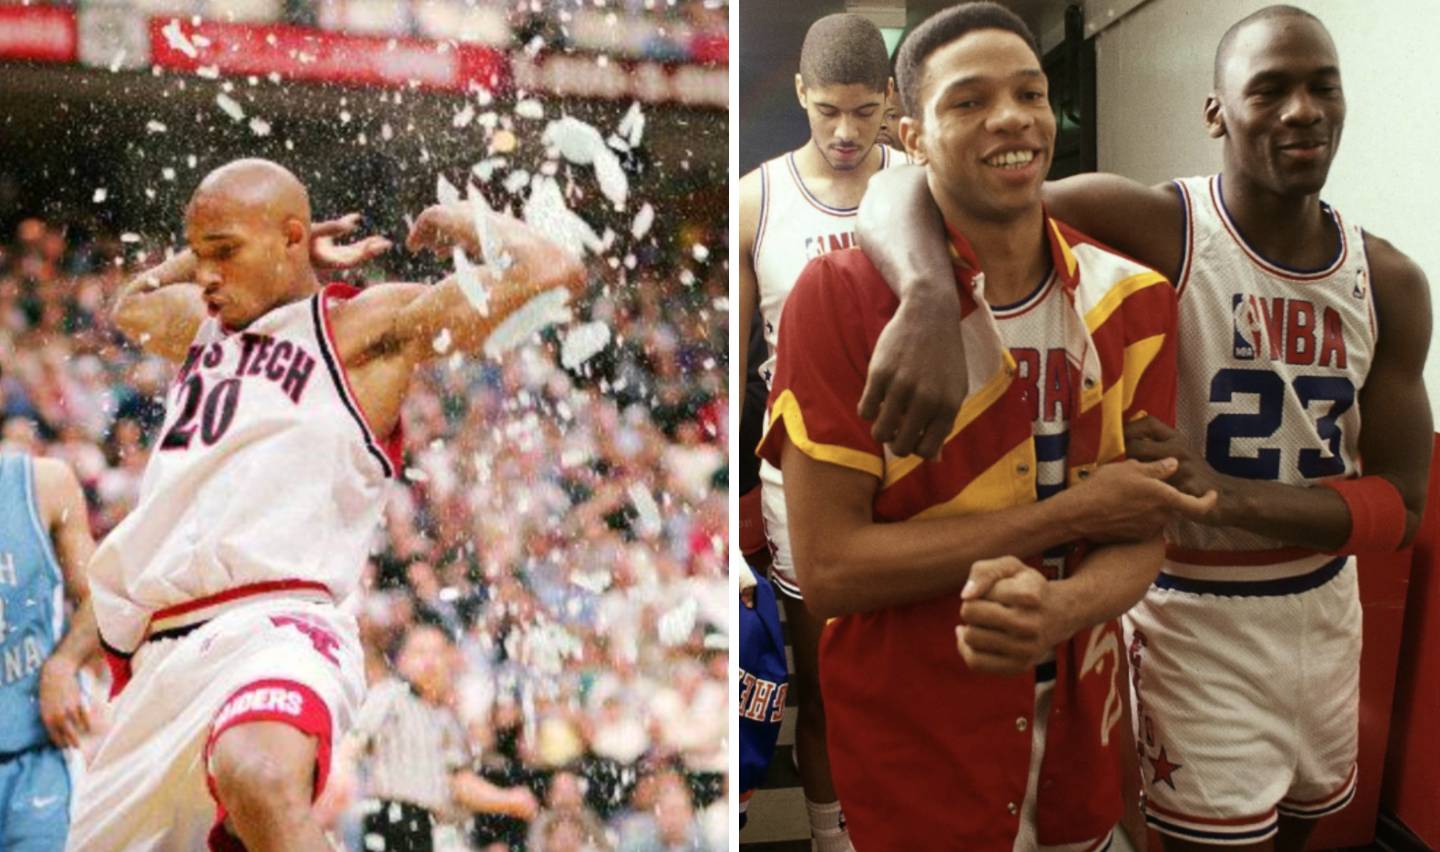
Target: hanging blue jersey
column 32, row 605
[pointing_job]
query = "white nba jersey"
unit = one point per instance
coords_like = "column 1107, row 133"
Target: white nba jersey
column 265, row 472
column 1272, row 363
column 1034, row 331
column 795, row 227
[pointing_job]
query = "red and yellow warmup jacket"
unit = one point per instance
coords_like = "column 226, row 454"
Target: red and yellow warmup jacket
column 925, row 753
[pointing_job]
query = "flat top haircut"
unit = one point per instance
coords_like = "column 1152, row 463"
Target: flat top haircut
column 1269, row 13
column 842, row 50
column 941, row 29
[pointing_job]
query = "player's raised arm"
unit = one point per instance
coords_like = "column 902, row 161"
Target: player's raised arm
column 160, row 309
column 409, row 319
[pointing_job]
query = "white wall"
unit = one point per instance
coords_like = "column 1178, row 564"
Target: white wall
column 1153, row 71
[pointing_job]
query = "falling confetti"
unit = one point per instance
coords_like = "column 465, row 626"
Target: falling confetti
column 582, row 343
column 259, row 126
column 176, row 39
column 643, row 220
column 529, row 319
column 229, row 105
column 530, row 108
column 99, row 195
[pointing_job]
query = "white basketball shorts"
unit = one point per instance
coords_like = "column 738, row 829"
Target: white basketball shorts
column 1245, row 696
column 148, row 788
column 777, row 531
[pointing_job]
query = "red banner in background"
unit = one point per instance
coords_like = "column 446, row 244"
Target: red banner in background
column 41, row 33
column 298, row 53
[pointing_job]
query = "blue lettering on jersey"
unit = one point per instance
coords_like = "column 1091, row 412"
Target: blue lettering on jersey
column 1288, row 330
column 30, row 601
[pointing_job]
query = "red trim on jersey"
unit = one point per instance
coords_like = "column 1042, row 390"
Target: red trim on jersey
column 237, row 593
column 1194, row 556
column 312, row 717
column 393, row 446
column 1257, row 819
column 1270, row 266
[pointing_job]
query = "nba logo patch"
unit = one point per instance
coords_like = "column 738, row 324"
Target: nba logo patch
column 1360, row 284
column 1246, row 326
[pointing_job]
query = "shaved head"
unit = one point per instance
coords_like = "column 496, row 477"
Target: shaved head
column 248, row 224
column 1270, row 13
column 262, row 188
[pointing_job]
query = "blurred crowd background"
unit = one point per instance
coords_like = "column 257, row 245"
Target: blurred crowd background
column 564, row 527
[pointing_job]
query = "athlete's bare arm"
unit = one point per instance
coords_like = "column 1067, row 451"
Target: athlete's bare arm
column 161, row 308
column 917, row 379
column 848, row 563
column 386, row 331
column 1395, row 443
column 63, row 511
column 749, row 283
column 1012, row 616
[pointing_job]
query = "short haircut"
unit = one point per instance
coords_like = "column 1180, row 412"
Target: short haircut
column 1269, row 13
column 842, row 50
column 941, row 29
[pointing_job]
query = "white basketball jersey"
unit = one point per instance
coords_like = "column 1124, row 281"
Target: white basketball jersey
column 795, row 227
column 1034, row 331
column 264, row 472
column 1272, row 359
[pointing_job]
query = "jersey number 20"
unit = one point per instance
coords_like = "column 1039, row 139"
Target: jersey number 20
column 1270, row 390
column 216, row 412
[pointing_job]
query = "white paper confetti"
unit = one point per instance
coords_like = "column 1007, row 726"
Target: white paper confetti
column 442, row 342
column 129, row 237
column 546, row 211
column 468, row 277
column 529, row 319
column 155, row 127
column 700, row 252
column 99, row 195
column 643, row 220
column 632, row 126
column 464, row 116
column 176, row 39
column 259, row 126
column 445, row 191
column 582, row 343
column 231, row 108
column 530, row 108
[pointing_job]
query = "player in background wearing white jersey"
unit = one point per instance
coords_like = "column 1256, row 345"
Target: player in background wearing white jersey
column 255, row 513
column 1295, row 328
column 793, row 209
column 44, row 544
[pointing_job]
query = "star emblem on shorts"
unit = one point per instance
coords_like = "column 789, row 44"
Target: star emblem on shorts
column 1161, row 768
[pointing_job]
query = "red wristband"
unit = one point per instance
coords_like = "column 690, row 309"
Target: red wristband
column 1377, row 514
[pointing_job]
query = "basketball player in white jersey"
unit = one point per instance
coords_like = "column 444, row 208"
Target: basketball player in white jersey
column 1296, row 327
column 793, row 209
column 217, row 594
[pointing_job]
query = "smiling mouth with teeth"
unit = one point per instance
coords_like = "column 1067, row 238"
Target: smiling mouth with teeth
column 1011, row 159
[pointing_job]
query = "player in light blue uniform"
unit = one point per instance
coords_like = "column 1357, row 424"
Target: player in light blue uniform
column 45, row 543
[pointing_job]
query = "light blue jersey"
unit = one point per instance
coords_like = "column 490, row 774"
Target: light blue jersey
column 32, row 606
column 34, row 780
